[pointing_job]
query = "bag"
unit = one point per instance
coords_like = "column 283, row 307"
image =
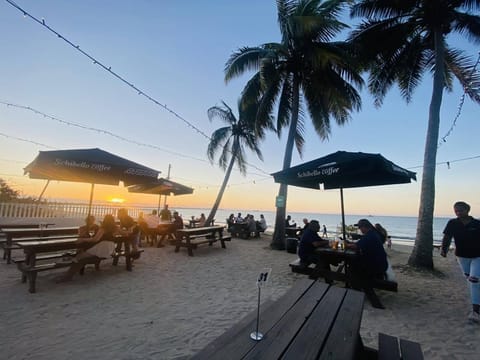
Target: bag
column 389, row 274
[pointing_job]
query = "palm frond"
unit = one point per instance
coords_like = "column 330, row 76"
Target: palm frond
column 244, row 59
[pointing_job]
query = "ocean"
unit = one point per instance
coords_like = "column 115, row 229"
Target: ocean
column 402, row 229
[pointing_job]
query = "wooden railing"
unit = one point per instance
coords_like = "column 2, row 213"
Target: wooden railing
column 62, row 210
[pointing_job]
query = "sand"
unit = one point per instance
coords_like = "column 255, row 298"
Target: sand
column 171, row 305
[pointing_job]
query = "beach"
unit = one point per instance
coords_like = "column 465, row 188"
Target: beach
column 172, row 305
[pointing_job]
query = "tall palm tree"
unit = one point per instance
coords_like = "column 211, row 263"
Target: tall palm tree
column 232, row 139
column 401, row 40
column 305, row 67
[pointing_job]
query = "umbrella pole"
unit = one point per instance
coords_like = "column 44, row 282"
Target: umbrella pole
column 343, row 214
column 43, row 191
column 159, row 201
column 91, row 199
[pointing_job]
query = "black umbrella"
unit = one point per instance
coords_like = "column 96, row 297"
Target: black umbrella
column 161, row 187
column 94, row 166
column 345, row 170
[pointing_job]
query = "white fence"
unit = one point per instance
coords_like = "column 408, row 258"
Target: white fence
column 61, row 210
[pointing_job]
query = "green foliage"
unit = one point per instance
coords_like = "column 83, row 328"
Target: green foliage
column 7, row 193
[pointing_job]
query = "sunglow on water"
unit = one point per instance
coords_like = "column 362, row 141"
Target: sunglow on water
column 402, row 229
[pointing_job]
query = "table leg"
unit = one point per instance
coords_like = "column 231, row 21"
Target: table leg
column 189, row 246
column 118, row 249
column 128, row 256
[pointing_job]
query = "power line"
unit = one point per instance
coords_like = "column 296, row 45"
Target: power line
column 107, row 68
column 115, row 74
column 100, row 131
column 28, row 141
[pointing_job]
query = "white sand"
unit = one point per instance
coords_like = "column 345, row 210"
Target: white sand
column 172, row 305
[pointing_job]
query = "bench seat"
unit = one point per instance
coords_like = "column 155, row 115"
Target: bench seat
column 381, row 284
column 393, row 348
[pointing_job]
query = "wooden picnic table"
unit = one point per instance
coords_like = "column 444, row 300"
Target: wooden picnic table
column 313, row 320
column 32, row 249
column 191, row 238
column 13, row 235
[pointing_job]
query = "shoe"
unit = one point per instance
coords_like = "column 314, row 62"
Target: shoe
column 474, row 317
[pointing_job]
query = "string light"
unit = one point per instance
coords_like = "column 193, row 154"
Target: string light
column 460, row 105
column 116, row 75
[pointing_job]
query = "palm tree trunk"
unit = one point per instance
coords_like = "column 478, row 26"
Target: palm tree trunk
column 278, row 239
column 211, row 216
column 421, row 255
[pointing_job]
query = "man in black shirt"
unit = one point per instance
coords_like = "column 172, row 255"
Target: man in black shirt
column 465, row 230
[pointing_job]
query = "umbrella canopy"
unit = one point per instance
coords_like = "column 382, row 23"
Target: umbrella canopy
column 94, row 166
column 161, row 187
column 344, row 169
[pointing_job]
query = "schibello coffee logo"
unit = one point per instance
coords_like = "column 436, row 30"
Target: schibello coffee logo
column 323, row 170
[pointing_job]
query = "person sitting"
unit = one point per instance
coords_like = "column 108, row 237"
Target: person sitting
column 239, row 219
column 89, row 229
column 287, row 222
column 372, row 262
column 251, row 226
column 165, row 214
column 261, row 225
column 382, row 232
column 130, row 226
column 305, row 224
column 308, row 242
column 230, row 222
column 101, row 247
column 201, row 220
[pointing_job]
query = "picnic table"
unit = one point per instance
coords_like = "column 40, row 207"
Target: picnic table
column 191, row 238
column 339, row 268
column 13, row 235
column 313, row 320
column 54, row 248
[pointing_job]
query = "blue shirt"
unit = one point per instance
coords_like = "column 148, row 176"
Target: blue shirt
column 305, row 248
column 373, row 256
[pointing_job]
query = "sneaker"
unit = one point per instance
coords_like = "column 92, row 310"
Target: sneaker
column 474, row 317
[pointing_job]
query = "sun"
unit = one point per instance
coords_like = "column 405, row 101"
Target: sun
column 117, row 200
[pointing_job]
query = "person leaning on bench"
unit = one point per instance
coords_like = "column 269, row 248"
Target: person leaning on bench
column 102, row 246
column 372, row 262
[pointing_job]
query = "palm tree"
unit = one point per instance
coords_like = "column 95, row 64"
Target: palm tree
column 305, row 67
column 402, row 39
column 232, row 139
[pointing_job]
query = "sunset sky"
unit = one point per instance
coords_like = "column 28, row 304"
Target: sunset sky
column 175, row 52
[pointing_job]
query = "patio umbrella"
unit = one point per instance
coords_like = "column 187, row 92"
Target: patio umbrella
column 161, row 187
column 344, row 169
column 94, row 166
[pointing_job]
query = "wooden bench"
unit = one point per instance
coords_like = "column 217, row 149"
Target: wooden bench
column 30, row 272
column 392, row 348
column 381, row 284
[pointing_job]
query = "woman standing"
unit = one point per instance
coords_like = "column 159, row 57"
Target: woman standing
column 465, row 230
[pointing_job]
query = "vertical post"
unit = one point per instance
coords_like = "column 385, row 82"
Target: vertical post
column 91, row 199
column 168, row 178
column 343, row 214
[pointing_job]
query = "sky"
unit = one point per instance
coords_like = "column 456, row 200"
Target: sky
column 176, row 52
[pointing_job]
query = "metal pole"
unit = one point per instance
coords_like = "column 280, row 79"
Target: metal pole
column 343, row 214
column 43, row 191
column 257, row 336
column 91, row 199
column 168, row 178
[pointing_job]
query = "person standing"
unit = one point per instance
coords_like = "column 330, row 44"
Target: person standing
column 324, row 231
column 465, row 230
column 165, row 214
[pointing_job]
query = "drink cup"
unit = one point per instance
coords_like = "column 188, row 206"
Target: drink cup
column 335, row 244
